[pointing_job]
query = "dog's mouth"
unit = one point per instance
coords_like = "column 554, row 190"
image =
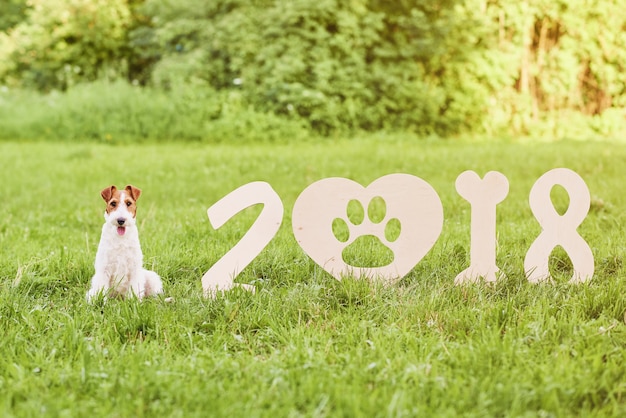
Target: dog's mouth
column 121, row 230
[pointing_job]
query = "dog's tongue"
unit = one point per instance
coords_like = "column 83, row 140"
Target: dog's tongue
column 121, row 230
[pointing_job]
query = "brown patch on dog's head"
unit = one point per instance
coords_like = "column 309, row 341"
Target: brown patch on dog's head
column 127, row 197
column 107, row 193
column 133, row 191
column 112, row 196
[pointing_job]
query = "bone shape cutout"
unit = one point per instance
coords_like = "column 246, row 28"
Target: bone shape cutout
column 483, row 195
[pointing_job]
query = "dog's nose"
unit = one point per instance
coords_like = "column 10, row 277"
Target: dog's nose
column 120, row 221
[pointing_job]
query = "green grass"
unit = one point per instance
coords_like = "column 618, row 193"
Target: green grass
column 304, row 344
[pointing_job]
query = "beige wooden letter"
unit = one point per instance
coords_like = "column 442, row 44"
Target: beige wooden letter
column 483, row 196
column 409, row 199
column 221, row 275
column 559, row 229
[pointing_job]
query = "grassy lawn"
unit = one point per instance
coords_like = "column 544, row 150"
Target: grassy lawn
column 304, row 344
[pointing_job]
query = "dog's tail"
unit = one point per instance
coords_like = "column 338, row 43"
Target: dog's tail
column 153, row 285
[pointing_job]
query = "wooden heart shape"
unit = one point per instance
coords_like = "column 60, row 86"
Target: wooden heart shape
column 409, row 199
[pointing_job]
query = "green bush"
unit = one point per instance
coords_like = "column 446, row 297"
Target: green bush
column 565, row 59
column 119, row 112
column 432, row 68
column 12, row 12
column 360, row 65
column 63, row 42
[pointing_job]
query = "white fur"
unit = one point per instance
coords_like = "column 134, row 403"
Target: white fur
column 119, row 260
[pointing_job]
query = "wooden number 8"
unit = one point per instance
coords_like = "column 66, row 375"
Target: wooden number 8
column 220, row 277
column 559, row 229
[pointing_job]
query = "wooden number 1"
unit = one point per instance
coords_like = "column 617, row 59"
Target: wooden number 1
column 221, row 275
column 483, row 195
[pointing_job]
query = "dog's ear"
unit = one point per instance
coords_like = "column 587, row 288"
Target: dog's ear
column 133, row 191
column 108, row 192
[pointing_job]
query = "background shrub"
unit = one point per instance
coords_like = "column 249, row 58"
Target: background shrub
column 339, row 65
column 442, row 68
column 113, row 112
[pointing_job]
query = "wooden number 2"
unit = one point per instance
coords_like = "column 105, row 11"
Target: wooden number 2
column 221, row 275
column 559, row 229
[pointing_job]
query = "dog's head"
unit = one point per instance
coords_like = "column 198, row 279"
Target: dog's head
column 121, row 206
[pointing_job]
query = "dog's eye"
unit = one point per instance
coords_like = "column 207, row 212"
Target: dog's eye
column 128, row 203
column 113, row 204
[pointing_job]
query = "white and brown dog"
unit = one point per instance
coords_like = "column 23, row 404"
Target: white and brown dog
column 119, row 260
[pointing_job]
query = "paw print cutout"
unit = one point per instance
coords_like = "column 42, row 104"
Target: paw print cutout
column 403, row 221
column 367, row 234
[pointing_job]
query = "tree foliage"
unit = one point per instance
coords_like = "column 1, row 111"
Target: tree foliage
column 565, row 55
column 64, row 41
column 12, row 12
column 430, row 67
column 358, row 65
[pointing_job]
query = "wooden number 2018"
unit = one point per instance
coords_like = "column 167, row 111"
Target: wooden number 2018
column 399, row 191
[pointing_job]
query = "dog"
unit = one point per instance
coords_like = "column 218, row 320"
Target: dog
column 119, row 260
